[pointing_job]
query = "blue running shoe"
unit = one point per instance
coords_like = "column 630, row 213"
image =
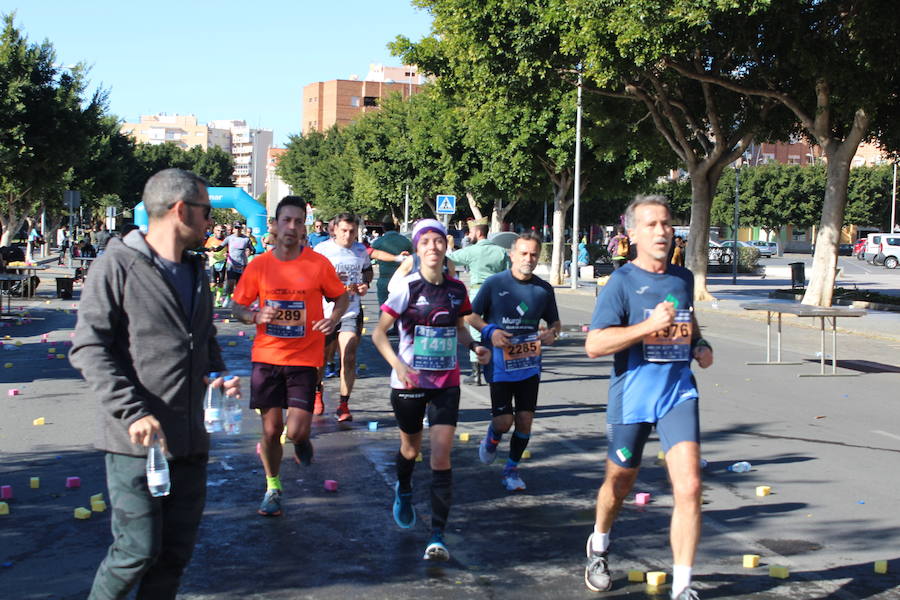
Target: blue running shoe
column 331, row 371
column 404, row 511
column 271, row 504
column 436, row 550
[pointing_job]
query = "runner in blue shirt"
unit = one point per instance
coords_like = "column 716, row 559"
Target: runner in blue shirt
column 508, row 310
column 645, row 317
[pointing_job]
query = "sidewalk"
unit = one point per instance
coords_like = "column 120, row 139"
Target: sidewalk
column 876, row 324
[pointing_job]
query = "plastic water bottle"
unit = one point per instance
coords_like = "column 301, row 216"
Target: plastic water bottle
column 233, row 413
column 157, row 470
column 212, row 407
column 740, row 467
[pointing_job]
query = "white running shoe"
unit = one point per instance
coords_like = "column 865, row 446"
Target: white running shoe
column 511, row 480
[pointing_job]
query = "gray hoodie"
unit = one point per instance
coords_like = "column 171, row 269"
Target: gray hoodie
column 140, row 354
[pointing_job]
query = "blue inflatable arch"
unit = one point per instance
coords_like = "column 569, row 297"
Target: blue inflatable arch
column 225, row 197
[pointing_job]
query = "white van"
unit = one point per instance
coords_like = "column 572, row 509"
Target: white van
column 873, row 246
column 889, row 252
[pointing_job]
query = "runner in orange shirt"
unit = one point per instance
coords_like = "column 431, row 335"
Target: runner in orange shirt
column 289, row 284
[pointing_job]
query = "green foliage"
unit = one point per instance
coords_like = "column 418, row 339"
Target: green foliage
column 748, row 259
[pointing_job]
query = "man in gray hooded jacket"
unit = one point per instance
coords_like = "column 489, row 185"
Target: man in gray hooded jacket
column 145, row 342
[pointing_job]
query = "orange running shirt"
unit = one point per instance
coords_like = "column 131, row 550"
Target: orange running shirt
column 295, row 288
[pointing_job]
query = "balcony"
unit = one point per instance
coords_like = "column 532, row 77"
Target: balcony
column 242, row 149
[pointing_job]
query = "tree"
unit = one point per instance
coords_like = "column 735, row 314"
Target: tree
column 45, row 125
column 294, row 165
column 508, row 59
column 831, row 63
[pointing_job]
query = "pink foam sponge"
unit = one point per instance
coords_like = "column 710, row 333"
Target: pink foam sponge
column 240, row 334
column 73, row 482
column 6, row 492
column 258, row 448
column 14, row 392
column 331, row 485
column 642, row 498
column 585, row 328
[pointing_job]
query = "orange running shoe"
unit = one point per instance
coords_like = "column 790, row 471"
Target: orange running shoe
column 342, row 414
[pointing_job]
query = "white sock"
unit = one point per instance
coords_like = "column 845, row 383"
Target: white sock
column 599, row 541
column 681, row 578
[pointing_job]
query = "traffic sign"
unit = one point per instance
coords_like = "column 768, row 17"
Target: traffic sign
column 446, row 205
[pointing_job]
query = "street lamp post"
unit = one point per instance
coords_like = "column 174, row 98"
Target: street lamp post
column 734, row 247
column 577, row 194
column 894, row 202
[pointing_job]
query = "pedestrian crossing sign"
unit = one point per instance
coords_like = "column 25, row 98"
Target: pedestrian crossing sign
column 446, row 205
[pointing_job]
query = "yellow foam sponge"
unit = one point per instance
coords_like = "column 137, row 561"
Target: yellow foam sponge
column 881, row 567
column 82, row 513
column 636, row 576
column 232, row 343
column 39, row 421
column 283, row 438
column 763, row 490
column 656, row 578
column 526, row 454
column 751, row 561
column 419, row 457
column 779, row 572
column 51, row 350
column 60, row 356
column 8, row 365
column 464, row 437
column 661, row 455
column 4, row 508
column 97, row 497
column 35, row 482
column 98, row 505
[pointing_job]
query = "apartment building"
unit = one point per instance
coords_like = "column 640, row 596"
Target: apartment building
column 276, row 187
column 339, row 101
column 247, row 146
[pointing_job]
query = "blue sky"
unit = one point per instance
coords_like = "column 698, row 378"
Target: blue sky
column 219, row 59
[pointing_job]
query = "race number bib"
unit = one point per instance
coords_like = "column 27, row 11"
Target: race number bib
column 672, row 343
column 290, row 319
column 523, row 352
column 434, row 348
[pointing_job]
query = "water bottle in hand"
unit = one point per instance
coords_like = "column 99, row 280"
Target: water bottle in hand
column 740, row 467
column 212, row 407
column 233, row 413
column 157, row 470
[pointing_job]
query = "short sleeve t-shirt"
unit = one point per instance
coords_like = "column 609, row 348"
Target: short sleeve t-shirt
column 392, row 243
column 296, row 289
column 642, row 389
column 349, row 263
column 216, row 257
column 237, row 251
column 427, row 315
column 516, row 307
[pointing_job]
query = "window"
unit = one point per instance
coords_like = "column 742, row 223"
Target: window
column 370, row 101
column 793, row 160
column 892, row 241
column 354, row 100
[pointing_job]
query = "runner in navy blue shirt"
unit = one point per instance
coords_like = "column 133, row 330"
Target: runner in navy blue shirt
column 645, row 317
column 508, row 311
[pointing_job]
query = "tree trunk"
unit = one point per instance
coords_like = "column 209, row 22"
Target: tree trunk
column 824, row 268
column 473, row 206
column 560, row 208
column 499, row 212
column 703, row 183
column 11, row 222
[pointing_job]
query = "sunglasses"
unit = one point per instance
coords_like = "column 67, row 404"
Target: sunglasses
column 207, row 208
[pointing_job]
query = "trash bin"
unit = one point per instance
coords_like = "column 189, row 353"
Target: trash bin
column 798, row 275
column 64, row 287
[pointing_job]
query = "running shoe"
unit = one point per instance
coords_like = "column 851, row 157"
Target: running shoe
column 596, row 573
column 271, row 504
column 342, row 414
column 487, row 452
column 436, row 550
column 404, row 511
column 304, row 452
column 319, row 403
column 511, row 480
column 330, row 371
column 687, row 594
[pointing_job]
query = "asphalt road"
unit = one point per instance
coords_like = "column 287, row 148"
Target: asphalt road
column 829, row 449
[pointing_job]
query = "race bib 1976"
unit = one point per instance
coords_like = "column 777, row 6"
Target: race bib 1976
column 672, row 343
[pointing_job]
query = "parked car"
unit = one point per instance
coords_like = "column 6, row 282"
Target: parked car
column 843, row 249
column 765, row 248
column 719, row 253
column 888, row 251
column 873, row 246
column 859, row 248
